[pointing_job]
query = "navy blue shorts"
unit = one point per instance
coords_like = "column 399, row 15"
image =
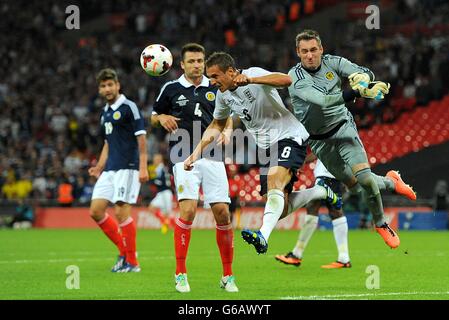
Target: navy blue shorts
column 290, row 155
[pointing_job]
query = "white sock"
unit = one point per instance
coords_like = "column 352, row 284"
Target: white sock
column 341, row 238
column 299, row 199
column 307, row 230
column 273, row 211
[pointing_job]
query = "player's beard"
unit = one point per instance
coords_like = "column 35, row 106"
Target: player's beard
column 113, row 99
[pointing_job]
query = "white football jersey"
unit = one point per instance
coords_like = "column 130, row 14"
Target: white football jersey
column 321, row 171
column 261, row 109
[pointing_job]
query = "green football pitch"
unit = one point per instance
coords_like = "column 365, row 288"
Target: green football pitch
column 34, row 265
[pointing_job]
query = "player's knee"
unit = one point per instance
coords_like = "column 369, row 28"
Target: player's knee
column 97, row 213
column 221, row 213
column 313, row 207
column 335, row 214
column 188, row 214
column 122, row 211
column 366, row 180
column 278, row 178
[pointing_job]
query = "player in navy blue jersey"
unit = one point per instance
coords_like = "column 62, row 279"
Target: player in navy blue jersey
column 185, row 108
column 121, row 169
column 162, row 204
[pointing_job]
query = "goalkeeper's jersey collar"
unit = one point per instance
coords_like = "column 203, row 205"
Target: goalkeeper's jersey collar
column 312, row 71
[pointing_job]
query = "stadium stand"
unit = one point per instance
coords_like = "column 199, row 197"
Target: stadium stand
column 49, row 107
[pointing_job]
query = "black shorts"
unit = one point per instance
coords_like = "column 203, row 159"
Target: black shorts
column 290, row 155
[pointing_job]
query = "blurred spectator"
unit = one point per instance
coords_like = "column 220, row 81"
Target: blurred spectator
column 24, row 216
column 65, row 194
column 441, row 196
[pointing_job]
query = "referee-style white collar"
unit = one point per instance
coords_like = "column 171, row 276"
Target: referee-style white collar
column 116, row 104
column 204, row 82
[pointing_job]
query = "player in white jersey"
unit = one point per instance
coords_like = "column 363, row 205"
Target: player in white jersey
column 251, row 94
column 339, row 223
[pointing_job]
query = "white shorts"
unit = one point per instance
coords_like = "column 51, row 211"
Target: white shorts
column 208, row 173
column 164, row 201
column 118, row 186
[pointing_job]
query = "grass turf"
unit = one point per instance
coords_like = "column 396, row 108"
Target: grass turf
column 33, row 266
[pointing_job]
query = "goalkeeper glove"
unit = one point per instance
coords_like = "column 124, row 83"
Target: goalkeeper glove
column 359, row 78
column 375, row 90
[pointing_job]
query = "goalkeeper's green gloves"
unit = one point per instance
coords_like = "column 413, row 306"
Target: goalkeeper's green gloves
column 359, row 77
column 367, row 89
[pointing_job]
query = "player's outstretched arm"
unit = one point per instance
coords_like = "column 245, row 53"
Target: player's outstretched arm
column 277, row 79
column 212, row 132
column 225, row 136
column 96, row 171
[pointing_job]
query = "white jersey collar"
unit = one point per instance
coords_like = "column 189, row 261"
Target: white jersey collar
column 116, row 104
column 183, row 81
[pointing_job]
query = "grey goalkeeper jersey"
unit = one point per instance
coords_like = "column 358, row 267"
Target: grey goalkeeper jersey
column 317, row 96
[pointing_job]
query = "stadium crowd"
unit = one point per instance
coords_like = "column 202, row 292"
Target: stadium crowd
column 49, row 106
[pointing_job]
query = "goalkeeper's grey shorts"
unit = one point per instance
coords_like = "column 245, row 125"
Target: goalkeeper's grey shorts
column 341, row 151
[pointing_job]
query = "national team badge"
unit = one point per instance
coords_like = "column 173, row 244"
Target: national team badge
column 210, row 96
column 181, row 189
column 117, row 115
column 329, row 75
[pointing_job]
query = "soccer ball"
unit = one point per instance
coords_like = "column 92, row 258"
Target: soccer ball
column 156, row 60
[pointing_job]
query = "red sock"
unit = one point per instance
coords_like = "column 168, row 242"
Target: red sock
column 172, row 222
column 129, row 239
column 225, row 241
column 182, row 240
column 110, row 228
column 159, row 215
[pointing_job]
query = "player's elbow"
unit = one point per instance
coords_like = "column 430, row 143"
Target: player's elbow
column 285, row 81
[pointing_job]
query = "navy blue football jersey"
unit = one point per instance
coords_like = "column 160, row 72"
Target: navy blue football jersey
column 162, row 179
column 122, row 122
column 193, row 105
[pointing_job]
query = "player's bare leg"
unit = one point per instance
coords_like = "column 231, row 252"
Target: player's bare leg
column 129, row 234
column 182, row 233
column 225, row 242
column 110, row 227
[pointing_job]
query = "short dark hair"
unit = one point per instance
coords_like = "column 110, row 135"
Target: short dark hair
column 107, row 74
column 223, row 60
column 308, row 34
column 192, row 47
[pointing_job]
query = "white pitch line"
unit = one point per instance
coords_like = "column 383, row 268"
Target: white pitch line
column 362, row 295
column 74, row 260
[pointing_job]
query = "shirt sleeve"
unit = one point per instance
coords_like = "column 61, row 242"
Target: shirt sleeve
column 221, row 111
column 256, row 72
column 137, row 120
column 344, row 67
column 306, row 90
column 162, row 105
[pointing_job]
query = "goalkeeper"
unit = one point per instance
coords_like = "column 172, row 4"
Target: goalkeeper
column 319, row 103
